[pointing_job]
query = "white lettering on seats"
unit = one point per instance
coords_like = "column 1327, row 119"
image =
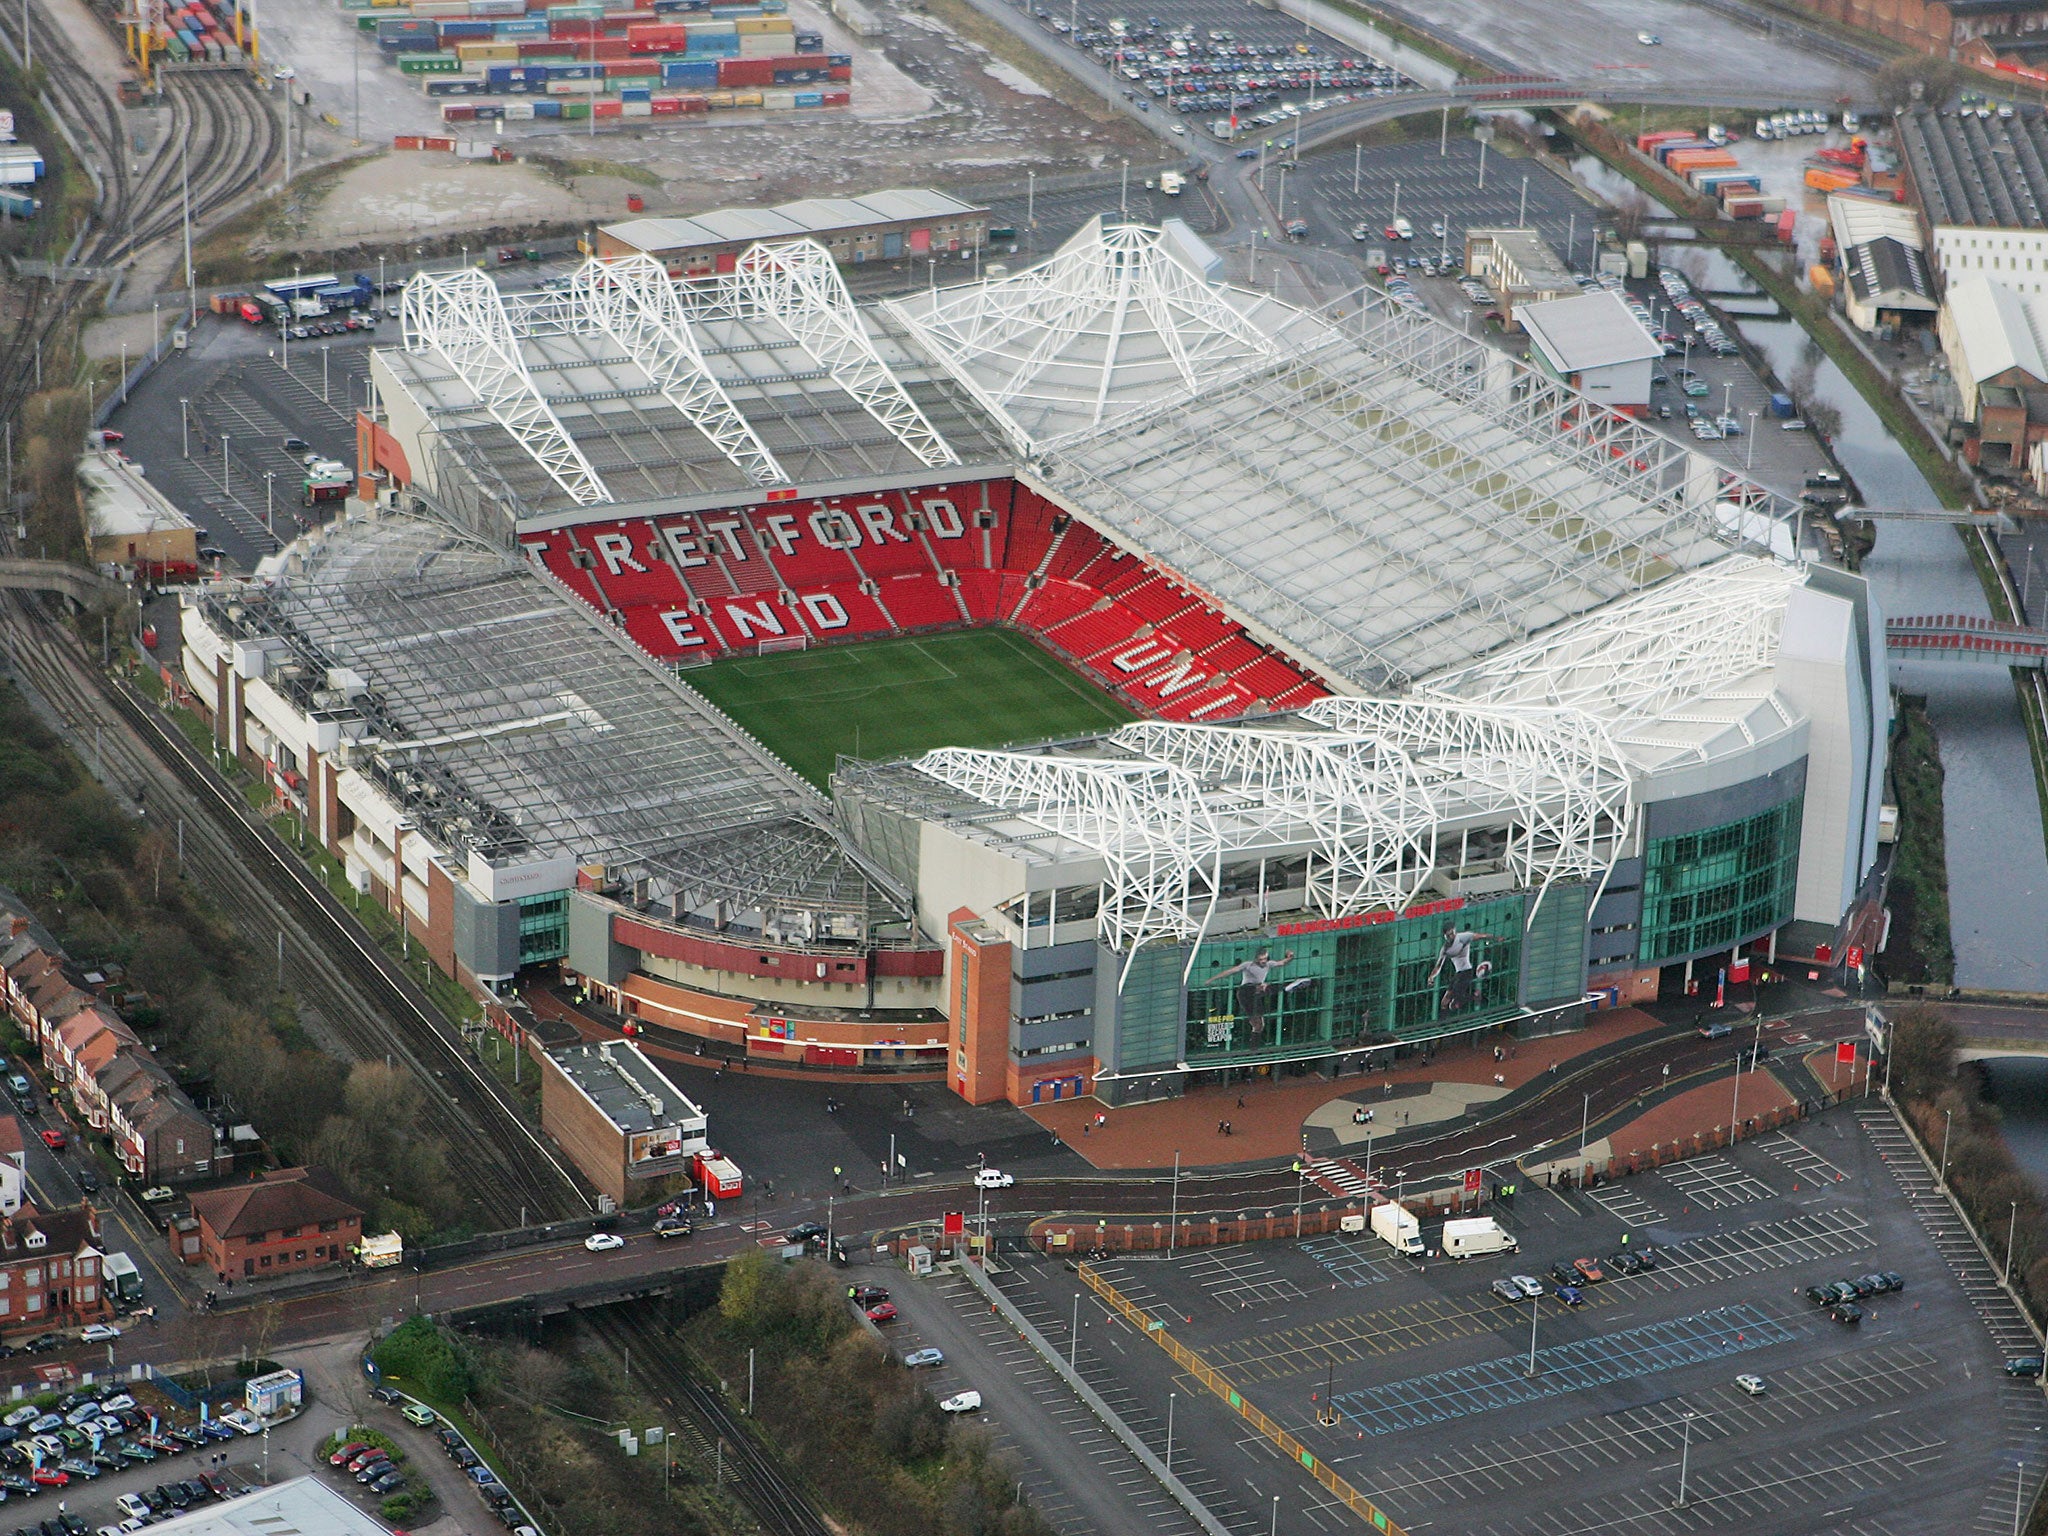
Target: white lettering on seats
column 1178, row 678
column 617, row 551
column 782, row 529
column 1221, row 701
column 945, row 518
column 826, row 611
column 536, row 549
column 832, row 528
column 682, row 629
column 683, row 547
column 1137, row 657
column 880, row 521
column 745, row 621
column 727, row 529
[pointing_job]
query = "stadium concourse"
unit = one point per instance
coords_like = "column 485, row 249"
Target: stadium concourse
column 1463, row 702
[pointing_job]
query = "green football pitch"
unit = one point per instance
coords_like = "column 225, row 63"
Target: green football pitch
column 897, row 698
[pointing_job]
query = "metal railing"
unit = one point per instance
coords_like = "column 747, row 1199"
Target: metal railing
column 1203, row 1372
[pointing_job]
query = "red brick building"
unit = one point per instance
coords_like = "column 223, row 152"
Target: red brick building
column 50, row 1270
column 290, row 1219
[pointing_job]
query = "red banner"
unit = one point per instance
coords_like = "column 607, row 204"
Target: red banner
column 1473, row 1176
column 956, row 1221
column 1845, row 1051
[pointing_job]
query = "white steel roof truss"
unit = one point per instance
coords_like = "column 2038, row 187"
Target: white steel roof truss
column 460, row 317
column 633, row 301
column 1554, row 772
column 797, row 284
column 1371, row 817
column 1147, row 821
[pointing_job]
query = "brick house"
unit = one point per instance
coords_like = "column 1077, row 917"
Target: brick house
column 289, row 1219
column 50, row 1270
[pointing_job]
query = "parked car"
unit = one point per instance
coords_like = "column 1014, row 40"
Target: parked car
column 157, row 1193
column 389, row 1395
column 1563, row 1273
column 348, row 1453
column 1623, row 1263
column 1847, row 1313
column 867, row 1295
column 961, row 1402
column 882, row 1312
column 918, row 1359
column 1754, row 1385
column 388, row 1482
column 2023, row 1365
column 1507, row 1290
column 1571, row 1295
column 1591, row 1272
column 55, row 1139
column 1528, row 1285
column 50, row 1477
column 132, row 1504
column 100, row 1333
column 416, row 1413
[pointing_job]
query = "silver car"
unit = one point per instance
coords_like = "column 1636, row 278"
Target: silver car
column 1529, row 1285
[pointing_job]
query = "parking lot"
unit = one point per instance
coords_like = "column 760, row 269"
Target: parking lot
column 222, row 453
column 1905, row 1422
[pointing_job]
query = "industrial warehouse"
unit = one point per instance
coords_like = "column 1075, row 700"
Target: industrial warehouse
column 1462, row 701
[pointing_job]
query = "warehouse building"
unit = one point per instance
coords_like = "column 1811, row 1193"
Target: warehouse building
column 1593, row 343
column 1982, row 190
column 132, row 525
column 904, row 223
column 1423, row 639
column 622, row 1122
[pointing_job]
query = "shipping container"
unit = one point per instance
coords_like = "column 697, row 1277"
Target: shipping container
column 778, row 101
column 451, row 32
column 429, row 64
column 810, row 42
column 666, row 106
column 547, row 109
column 717, row 101
column 458, row 112
column 456, row 85
column 1823, row 281
column 486, row 53
column 604, row 108
column 839, row 72
column 746, row 98
column 636, row 109
column 700, row 72
column 489, row 111
column 573, row 111
column 838, row 98
column 811, row 99
column 635, row 95
column 1646, row 142
column 1829, row 179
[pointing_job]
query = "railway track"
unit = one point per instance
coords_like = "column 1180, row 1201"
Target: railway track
column 366, row 1006
column 704, row 1423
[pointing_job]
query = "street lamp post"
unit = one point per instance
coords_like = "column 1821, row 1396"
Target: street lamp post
column 1300, row 1176
column 1749, row 454
column 1534, row 1308
column 1522, row 214
column 184, row 428
column 269, row 519
column 1274, row 1528
column 2011, row 1233
column 224, row 462
column 1585, row 1119
column 1947, row 1123
column 1684, row 1460
column 1169, row 1432
column 1173, row 1222
column 323, row 373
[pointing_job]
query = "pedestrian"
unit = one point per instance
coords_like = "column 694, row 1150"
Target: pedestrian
column 1240, row 1101
column 1368, row 1117
column 1667, row 1071
column 1499, row 1081
column 1219, row 1126
column 1087, row 1126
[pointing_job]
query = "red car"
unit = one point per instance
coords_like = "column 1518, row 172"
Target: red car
column 348, row 1453
column 54, row 1140
column 49, row 1477
column 882, row 1312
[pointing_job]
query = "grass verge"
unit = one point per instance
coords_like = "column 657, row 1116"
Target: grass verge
column 1921, row 952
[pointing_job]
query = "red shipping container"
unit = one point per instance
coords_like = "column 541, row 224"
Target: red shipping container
column 609, row 48
column 839, row 72
column 459, row 112
column 666, row 106
column 732, row 72
column 694, row 103
column 540, row 48
column 838, row 98
column 605, row 109
column 576, row 27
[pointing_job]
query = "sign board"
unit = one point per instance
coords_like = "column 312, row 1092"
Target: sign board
column 1473, row 1178
column 1856, row 956
column 956, row 1221
column 1845, row 1051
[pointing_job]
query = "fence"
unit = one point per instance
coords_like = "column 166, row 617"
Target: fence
column 189, row 1401
column 1216, row 1383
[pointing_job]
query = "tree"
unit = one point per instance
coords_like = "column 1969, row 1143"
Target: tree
column 1919, row 77
column 1923, row 1051
column 742, row 1295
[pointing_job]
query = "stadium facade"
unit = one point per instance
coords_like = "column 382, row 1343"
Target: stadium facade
column 1466, row 703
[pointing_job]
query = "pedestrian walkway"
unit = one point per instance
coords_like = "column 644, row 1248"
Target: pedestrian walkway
column 1342, row 1178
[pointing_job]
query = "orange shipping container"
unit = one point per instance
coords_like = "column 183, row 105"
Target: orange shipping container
column 1821, row 179
column 1822, row 279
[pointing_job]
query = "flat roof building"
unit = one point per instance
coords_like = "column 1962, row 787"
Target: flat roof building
column 876, row 226
column 1519, row 267
column 1594, row 344
column 1886, row 279
column 1982, row 188
column 618, row 1117
column 131, row 523
column 305, row 1506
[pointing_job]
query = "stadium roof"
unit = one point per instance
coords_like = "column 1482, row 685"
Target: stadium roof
column 500, row 716
column 1547, row 741
column 626, row 387
column 789, row 221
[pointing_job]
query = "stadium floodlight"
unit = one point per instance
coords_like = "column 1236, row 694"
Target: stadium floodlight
column 634, row 301
column 1553, row 774
column 1362, row 801
column 796, row 283
column 460, row 317
column 1115, row 309
column 1148, row 821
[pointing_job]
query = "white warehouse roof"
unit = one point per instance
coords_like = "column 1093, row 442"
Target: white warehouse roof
column 1998, row 329
column 1594, row 330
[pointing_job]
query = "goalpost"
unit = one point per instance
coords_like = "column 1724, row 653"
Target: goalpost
column 770, row 646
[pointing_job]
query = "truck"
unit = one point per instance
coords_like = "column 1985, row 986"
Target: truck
column 1171, row 183
column 380, row 1252
column 1475, row 1236
column 1396, row 1226
column 1402, row 229
column 123, row 1279
column 719, row 1175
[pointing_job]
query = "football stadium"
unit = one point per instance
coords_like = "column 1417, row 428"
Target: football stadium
column 1071, row 683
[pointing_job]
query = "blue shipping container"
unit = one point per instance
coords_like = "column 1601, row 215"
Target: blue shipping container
column 810, row 98
column 486, row 114
column 839, row 60
column 690, row 72
column 547, row 108
column 465, row 31
column 535, row 26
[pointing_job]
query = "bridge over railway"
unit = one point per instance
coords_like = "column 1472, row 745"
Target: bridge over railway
column 84, row 586
column 1964, row 637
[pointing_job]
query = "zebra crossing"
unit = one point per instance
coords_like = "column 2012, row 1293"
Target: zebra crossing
column 1342, row 1178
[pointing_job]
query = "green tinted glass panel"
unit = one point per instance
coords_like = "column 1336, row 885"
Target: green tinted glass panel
column 543, row 928
column 1708, row 890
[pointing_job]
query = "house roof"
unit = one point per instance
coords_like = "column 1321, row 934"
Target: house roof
column 1996, row 328
column 65, row 1231
column 288, row 1197
column 80, row 1029
column 1594, row 330
column 11, row 1142
column 1859, row 219
column 1890, row 273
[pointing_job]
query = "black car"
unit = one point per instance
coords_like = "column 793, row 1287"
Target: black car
column 43, row 1342
column 53, row 1527
column 389, row 1395
column 1564, row 1274
column 88, row 1181
column 72, row 1523
column 1847, row 1313
column 465, row 1458
column 1862, row 1286
column 451, row 1439
column 176, row 1496
column 867, row 1295
column 196, row 1491
column 389, row 1481
column 1822, row 1295
column 2023, row 1365
column 157, row 1500
column 1623, row 1263
column 806, row 1232
column 1893, row 1280
column 1647, row 1257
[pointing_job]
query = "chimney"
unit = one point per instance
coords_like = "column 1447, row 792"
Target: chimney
column 17, row 926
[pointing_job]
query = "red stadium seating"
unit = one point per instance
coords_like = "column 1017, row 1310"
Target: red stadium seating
column 868, row 564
